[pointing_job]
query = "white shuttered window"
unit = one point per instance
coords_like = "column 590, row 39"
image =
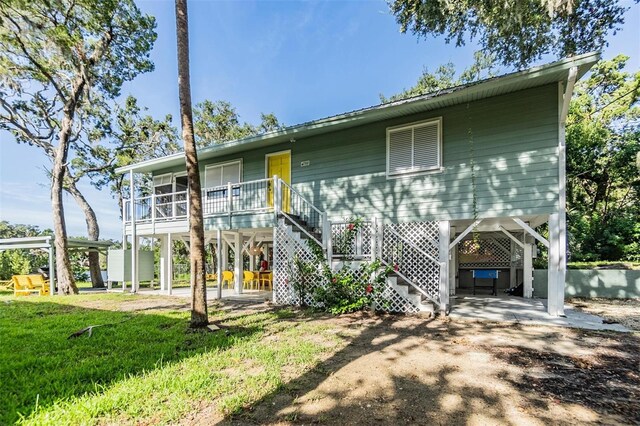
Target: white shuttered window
column 414, row 148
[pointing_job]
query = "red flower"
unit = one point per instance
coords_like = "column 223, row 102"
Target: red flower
column 350, row 226
column 334, row 280
column 369, row 289
column 396, row 267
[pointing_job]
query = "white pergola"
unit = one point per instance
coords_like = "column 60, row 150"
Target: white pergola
column 45, row 243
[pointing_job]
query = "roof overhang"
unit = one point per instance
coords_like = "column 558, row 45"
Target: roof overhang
column 533, row 77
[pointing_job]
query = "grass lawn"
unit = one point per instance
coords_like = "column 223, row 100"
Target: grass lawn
column 282, row 366
column 147, row 365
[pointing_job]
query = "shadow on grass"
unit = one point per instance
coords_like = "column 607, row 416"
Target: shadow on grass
column 40, row 365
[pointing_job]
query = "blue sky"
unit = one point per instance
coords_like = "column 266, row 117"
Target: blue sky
column 298, row 60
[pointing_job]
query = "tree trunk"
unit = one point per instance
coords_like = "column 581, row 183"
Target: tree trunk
column 93, row 232
column 64, row 275
column 199, row 315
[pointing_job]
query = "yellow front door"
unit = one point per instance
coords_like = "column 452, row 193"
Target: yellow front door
column 280, row 164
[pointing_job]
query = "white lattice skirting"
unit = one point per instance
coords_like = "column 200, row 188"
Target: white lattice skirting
column 397, row 248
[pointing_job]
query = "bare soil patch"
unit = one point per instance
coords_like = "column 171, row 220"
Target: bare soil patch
column 623, row 311
column 410, row 370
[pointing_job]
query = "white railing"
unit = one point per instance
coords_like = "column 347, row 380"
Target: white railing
column 309, row 219
column 360, row 248
column 244, row 197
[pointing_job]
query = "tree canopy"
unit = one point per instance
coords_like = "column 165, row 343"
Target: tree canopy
column 517, row 32
column 603, row 174
column 219, row 122
column 60, row 61
column 445, row 76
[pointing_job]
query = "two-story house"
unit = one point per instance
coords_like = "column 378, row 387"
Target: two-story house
column 447, row 183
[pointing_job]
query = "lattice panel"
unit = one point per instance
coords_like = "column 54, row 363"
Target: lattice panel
column 425, row 235
column 399, row 251
column 396, row 303
column 360, row 247
column 287, row 246
column 485, row 253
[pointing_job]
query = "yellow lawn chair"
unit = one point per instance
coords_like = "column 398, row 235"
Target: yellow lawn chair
column 40, row 283
column 22, row 286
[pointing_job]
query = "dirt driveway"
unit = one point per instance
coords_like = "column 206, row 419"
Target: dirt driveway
column 410, row 370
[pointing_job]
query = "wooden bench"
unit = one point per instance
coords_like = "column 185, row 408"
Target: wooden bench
column 24, row 285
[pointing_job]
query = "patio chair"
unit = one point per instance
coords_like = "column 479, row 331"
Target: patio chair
column 227, row 277
column 249, row 280
column 40, row 283
column 22, row 286
column 266, row 281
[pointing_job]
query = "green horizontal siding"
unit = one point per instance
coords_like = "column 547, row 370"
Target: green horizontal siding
column 515, row 140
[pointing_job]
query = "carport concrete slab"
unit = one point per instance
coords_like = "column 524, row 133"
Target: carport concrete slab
column 523, row 311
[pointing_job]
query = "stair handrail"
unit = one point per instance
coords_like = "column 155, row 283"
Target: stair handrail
column 302, row 197
column 295, row 222
column 419, row 250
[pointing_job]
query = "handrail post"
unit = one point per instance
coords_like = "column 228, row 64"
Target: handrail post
column 329, row 238
column 380, row 232
column 153, row 210
column 374, row 238
column 229, row 197
column 277, row 198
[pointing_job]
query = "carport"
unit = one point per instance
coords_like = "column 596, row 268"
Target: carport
column 46, row 243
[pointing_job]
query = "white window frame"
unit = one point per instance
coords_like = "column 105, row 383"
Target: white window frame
column 421, row 171
column 171, row 182
column 209, row 166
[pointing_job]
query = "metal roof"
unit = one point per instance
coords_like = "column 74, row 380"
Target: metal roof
column 46, row 242
column 533, row 77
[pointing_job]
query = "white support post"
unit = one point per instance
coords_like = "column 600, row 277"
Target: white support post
column 163, row 264
column 219, row 267
column 277, row 195
column 169, row 264
column 237, row 270
column 512, row 264
column 444, row 264
column 52, row 267
column 554, row 259
column 564, row 99
column 225, row 255
column 275, row 268
column 452, row 264
column 134, row 237
column 527, row 272
column 380, row 233
column 374, row 238
column 327, row 237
